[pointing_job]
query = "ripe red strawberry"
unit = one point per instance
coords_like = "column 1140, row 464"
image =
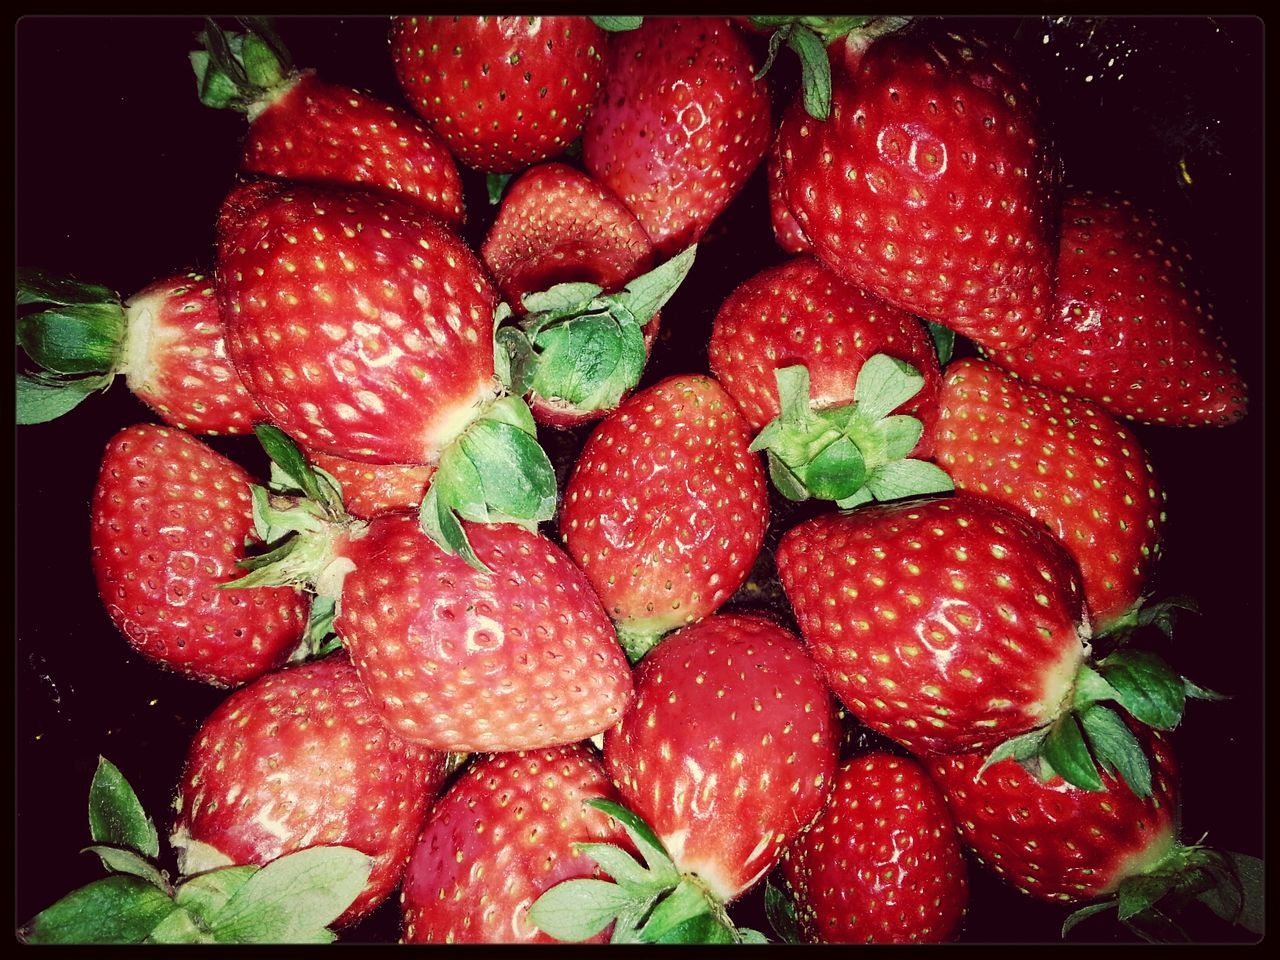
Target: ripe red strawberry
column 679, row 125
column 1065, row 463
column 170, row 518
column 666, row 509
column 242, row 201
column 801, row 313
column 499, row 837
column 300, row 759
column 882, row 863
column 1056, row 841
column 371, row 489
column 519, row 658
column 785, row 229
column 1128, row 329
column 930, row 184
column 729, row 749
column 305, row 129
column 396, row 354
column 503, row 92
column 167, row 340
column 948, row 625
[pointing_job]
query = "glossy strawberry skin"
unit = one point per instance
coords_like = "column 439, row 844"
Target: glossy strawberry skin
column 931, row 186
column 460, row 660
column 557, row 225
column 679, row 125
column 364, row 328
column 1064, row 462
column 1128, row 329
column 948, row 624
column 503, row 92
column 729, row 749
column 372, row 489
column 801, row 313
column 170, row 517
column 300, row 759
column 785, row 229
column 176, row 359
column 499, row 838
column 1055, row 841
column 882, row 864
column 318, row 132
column 666, row 509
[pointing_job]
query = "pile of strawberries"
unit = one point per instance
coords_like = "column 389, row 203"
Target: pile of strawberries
column 551, row 615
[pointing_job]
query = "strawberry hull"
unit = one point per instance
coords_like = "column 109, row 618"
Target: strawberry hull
column 363, row 327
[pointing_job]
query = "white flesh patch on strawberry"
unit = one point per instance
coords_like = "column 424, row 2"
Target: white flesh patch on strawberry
column 453, row 423
column 1059, row 682
column 144, row 342
column 1141, row 861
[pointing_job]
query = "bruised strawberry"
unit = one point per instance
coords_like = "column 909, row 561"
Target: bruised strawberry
column 882, row 863
column 666, row 508
column 729, row 749
column 1129, row 330
column 395, row 356
column 167, row 340
column 502, row 834
column 679, row 126
column 300, row 759
column 1064, row 462
column 503, row 92
column 370, row 489
column 170, row 518
column 305, row 129
column 517, row 658
column 931, row 185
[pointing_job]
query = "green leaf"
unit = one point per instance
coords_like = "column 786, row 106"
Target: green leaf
column 884, row 384
column 1091, row 687
column 1020, row 748
column 260, row 63
column 651, row 848
column 1164, row 615
column 118, row 860
column 286, row 454
column 262, row 26
column 1085, row 912
column 793, row 393
column 293, row 898
column 944, row 341
column 41, row 399
column 589, row 361
column 1116, row 748
column 517, row 361
column 784, row 479
column 515, row 477
column 179, row 927
column 495, row 184
column 815, row 71
column 618, row 864
column 648, row 293
column 1154, row 927
column 577, row 910
column 79, row 338
column 747, row 935
column 836, row 472
column 1065, row 750
column 617, row 24
column 780, row 910
column 320, row 638
column 1139, row 893
column 36, row 286
column 896, row 436
column 687, row 916
column 776, row 40
column 857, row 500
column 1146, row 687
column 441, row 524
column 561, row 300
column 1248, row 909
column 116, row 816
column 207, row 893
column 907, row 478
column 118, row 909
column 1200, row 693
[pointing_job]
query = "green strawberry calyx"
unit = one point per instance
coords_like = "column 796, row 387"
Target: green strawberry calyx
column 855, row 452
column 648, row 901
column 293, row 899
column 1230, row 884
column 579, row 346
column 1090, row 735
column 242, row 71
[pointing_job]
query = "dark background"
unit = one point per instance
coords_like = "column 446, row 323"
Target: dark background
column 119, row 173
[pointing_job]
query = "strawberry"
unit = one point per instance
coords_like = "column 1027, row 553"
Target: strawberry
column 582, row 343
column 930, row 184
column 882, row 863
column 520, row 658
column 167, row 340
column 785, row 229
column 503, row 92
column 502, row 834
column 666, row 508
column 679, row 126
column 170, row 518
column 955, row 625
column 297, row 759
column 242, row 201
column 1128, row 329
column 1064, row 462
column 305, row 129
column 395, row 363
column 729, row 749
column 370, row 489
